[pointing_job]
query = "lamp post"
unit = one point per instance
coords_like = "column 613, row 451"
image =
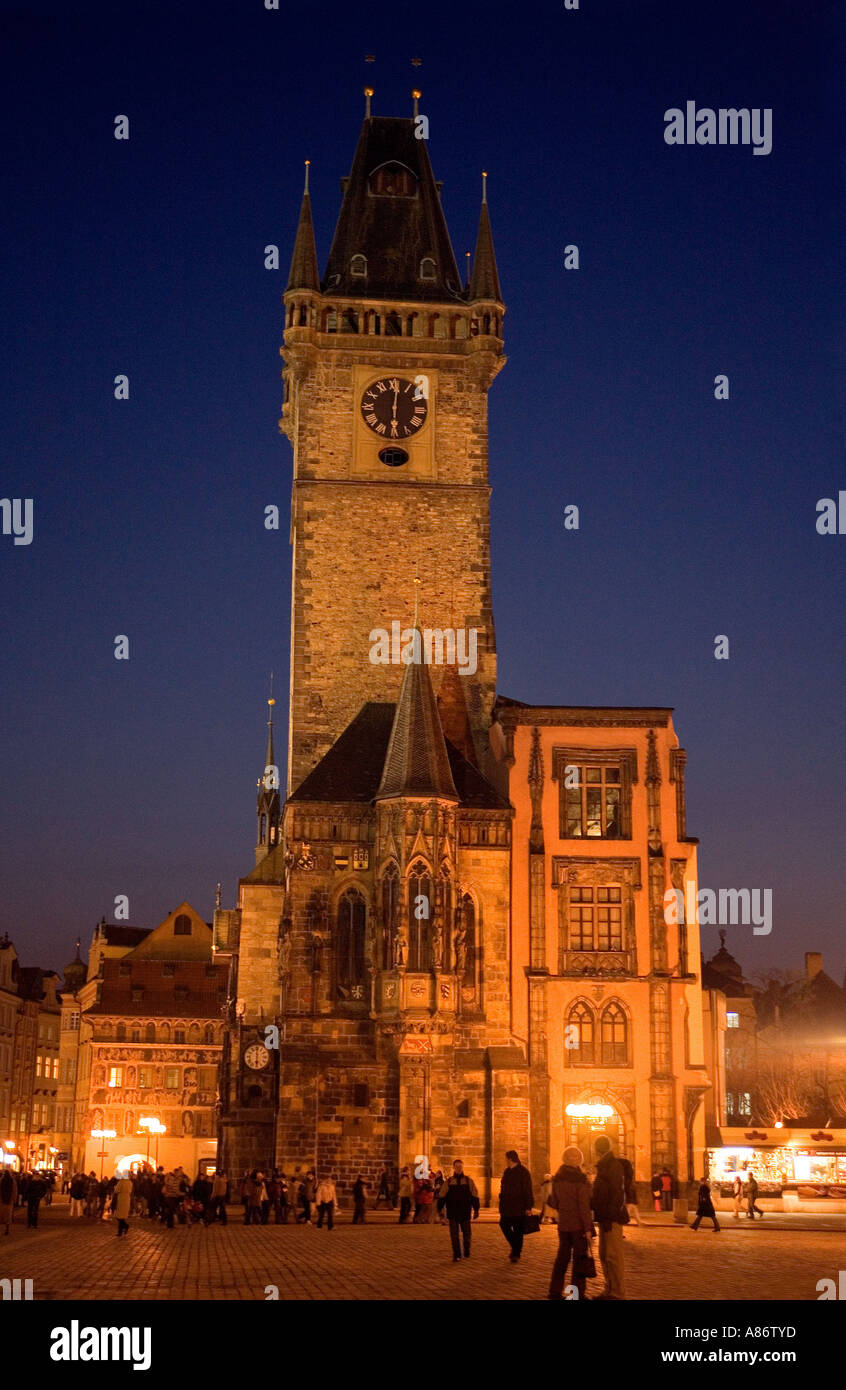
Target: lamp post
column 103, row 1134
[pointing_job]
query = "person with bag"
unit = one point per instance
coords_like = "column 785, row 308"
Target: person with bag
column 516, row 1199
column 459, row 1197
column 737, row 1195
column 570, row 1198
column 752, row 1196
column 609, row 1210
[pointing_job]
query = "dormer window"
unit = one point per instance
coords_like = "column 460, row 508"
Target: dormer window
column 393, row 180
column 358, row 266
column 427, row 268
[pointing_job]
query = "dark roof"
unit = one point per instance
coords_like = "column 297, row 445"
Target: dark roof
column 484, row 282
column 352, row 768
column 394, row 232
column 203, row 989
column 304, row 274
column 122, row 936
column 416, row 763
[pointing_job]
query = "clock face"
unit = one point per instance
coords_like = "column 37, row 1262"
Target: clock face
column 394, row 407
column 256, row 1056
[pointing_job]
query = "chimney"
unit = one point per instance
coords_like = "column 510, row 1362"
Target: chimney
column 813, row 964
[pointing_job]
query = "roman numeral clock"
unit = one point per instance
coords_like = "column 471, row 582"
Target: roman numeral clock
column 394, row 422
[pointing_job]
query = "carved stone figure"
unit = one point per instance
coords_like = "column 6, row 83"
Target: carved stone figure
column 437, row 943
column 401, row 948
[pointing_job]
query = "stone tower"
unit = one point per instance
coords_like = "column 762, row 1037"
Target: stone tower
column 388, row 360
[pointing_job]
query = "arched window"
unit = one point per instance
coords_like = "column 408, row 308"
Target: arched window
column 349, row 946
column 419, row 918
column 209, row 1035
column 579, row 1034
column 121, row 1032
column 150, row 1032
column 262, row 830
column 182, row 925
column 613, row 1033
column 390, row 914
column 358, row 265
column 394, row 181
column 427, row 268
column 179, row 1035
column 393, row 325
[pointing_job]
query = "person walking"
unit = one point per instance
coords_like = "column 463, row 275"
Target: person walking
column 424, row 1196
column 219, row 1197
column 406, row 1192
column 609, row 1210
column 516, row 1199
column 171, row 1197
column 77, row 1194
column 383, row 1192
column 459, row 1197
column 752, row 1196
column 308, row 1188
column 437, row 1183
column 548, row 1212
column 359, row 1197
column 705, row 1206
column 570, row 1199
column 92, row 1194
column 35, row 1190
column 631, row 1192
column 326, row 1198
column 666, row 1179
column 122, row 1203
column 737, row 1195
column 8, row 1197
column 656, row 1191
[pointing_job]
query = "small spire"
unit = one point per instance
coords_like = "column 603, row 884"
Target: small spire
column 484, row 282
column 368, row 92
column 467, row 264
column 416, row 94
column 308, row 161
column 484, row 186
column 304, row 274
column 416, row 593
column 268, row 762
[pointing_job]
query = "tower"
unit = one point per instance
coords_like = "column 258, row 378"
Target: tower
column 387, row 365
column 267, row 800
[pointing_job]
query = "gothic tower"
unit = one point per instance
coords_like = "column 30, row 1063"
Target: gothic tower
column 388, row 361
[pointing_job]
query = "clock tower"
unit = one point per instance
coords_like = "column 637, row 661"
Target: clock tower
column 387, row 364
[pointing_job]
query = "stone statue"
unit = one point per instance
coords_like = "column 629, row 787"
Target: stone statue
column 401, row 948
column 437, row 943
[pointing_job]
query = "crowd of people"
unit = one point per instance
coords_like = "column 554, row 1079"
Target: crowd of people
column 583, row 1207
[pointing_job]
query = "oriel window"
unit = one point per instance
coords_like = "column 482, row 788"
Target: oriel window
column 592, row 809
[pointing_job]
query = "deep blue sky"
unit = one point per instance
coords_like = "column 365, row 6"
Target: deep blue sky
column 697, row 516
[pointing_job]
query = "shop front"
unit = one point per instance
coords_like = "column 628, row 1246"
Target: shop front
column 803, row 1170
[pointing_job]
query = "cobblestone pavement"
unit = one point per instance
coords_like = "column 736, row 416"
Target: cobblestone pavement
column 381, row 1260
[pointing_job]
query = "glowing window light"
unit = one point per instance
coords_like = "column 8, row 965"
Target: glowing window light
column 590, row 1112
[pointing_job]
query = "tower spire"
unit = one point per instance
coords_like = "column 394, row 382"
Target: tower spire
column 484, row 282
column 304, row 273
column 267, row 801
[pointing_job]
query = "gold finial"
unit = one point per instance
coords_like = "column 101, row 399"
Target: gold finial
column 415, row 62
column 368, row 92
column 308, row 161
column 484, row 186
column 417, row 94
column 467, row 259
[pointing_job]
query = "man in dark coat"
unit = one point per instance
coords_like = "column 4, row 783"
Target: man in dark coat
column 36, row 1188
column 609, row 1209
column 705, row 1206
column 515, row 1203
column 460, row 1198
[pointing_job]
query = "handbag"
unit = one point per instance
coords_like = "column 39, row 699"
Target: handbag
column 531, row 1224
column 584, row 1265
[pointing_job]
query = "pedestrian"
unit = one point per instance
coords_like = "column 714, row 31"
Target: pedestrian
column 406, row 1191
column 171, row 1197
column 459, row 1197
column 359, row 1195
column 737, row 1194
column 23, row 1183
column 219, row 1197
column 630, row 1190
column 326, row 1198
column 77, row 1194
column 438, row 1181
column 383, row 1192
column 548, row 1212
column 609, row 1209
column 570, row 1199
column 705, row 1206
column 666, row 1190
column 424, row 1196
column 308, row 1188
column 8, row 1197
column 122, row 1202
column 516, row 1199
column 35, row 1190
column 264, row 1199
column 92, row 1194
column 752, row 1196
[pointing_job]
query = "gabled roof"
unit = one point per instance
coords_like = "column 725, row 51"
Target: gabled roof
column 351, row 770
column 393, row 231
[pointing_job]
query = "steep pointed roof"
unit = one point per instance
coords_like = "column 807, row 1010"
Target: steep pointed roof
column 484, row 282
column 391, row 213
column 304, row 273
column 416, row 763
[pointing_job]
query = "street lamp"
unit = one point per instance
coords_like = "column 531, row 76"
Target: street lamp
column 103, row 1134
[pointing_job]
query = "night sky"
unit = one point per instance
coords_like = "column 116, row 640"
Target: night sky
column 698, row 517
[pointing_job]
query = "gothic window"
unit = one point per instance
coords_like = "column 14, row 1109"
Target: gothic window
column 182, row 925
column 350, row 946
column 179, row 1035
column 121, row 1032
column 209, row 1036
column 393, row 180
column 150, row 1033
column 613, row 1031
column 349, row 322
column 596, row 919
column 427, row 268
column 592, row 809
column 419, row 918
column 262, row 830
column 579, row 1034
column 390, row 914
column 358, row 265
column 393, row 325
